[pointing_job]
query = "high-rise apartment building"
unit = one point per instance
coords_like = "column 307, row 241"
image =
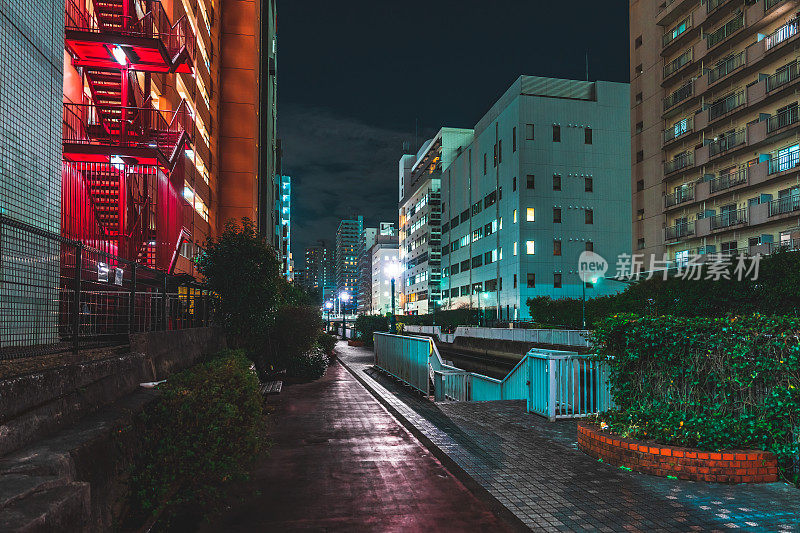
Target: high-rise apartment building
column 283, row 228
column 384, row 264
column 544, row 178
column 420, row 209
column 383, row 234
column 320, row 271
column 349, row 237
column 714, row 118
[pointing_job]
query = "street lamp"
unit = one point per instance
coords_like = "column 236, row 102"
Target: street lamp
column 344, row 297
column 329, row 306
column 393, row 271
column 592, row 280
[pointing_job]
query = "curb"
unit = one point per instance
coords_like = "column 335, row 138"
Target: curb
column 454, row 468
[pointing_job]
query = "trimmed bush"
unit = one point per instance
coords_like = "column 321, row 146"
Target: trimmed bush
column 709, row 383
column 366, row 325
column 326, row 342
column 308, row 366
column 296, row 331
column 197, row 438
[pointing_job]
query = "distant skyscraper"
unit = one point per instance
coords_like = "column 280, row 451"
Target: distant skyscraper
column 320, row 271
column 348, row 243
column 283, row 227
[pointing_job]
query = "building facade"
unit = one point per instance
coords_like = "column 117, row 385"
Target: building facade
column 420, row 210
column 714, row 117
column 384, row 234
column 349, row 238
column 283, row 228
column 385, row 264
column 544, row 178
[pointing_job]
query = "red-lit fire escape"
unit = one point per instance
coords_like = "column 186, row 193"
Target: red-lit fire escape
column 123, row 167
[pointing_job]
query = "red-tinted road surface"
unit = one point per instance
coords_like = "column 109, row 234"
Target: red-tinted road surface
column 341, row 462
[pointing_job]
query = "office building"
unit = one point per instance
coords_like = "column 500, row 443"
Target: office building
column 283, row 228
column 714, row 117
column 385, row 264
column 349, row 237
column 544, row 178
column 384, row 234
column 420, row 209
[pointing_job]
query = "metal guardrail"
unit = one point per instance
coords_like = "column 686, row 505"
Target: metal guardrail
column 560, row 337
column 726, row 181
column 555, row 384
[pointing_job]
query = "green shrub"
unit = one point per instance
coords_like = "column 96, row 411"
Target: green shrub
column 366, row 325
column 308, row 366
column 326, row 342
column 198, row 437
column 296, row 331
column 709, row 383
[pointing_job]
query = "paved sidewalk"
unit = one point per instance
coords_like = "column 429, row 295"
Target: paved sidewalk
column 340, row 462
column 534, row 468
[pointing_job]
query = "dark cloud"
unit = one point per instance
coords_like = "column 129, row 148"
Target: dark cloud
column 339, row 166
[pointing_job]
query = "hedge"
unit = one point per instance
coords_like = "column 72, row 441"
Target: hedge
column 708, row 383
column 196, row 439
column 775, row 292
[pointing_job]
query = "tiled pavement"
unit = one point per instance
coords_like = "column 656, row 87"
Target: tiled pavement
column 340, row 462
column 534, row 469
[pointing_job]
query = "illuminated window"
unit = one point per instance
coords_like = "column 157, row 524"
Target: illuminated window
column 515, row 216
column 530, row 214
column 515, row 247
column 530, row 247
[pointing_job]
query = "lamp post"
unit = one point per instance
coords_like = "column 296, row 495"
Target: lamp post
column 392, row 270
column 328, row 306
column 583, row 300
column 344, row 296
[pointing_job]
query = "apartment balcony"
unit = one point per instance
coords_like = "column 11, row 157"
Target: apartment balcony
column 726, row 143
column 144, row 135
column 773, row 43
column 721, row 108
column 722, row 33
column 784, row 163
column 728, row 181
column 678, row 96
column 670, row 11
column 676, row 65
column 682, row 161
column 107, row 36
column 773, row 128
column 728, row 219
column 678, row 131
column 679, row 34
column 784, row 206
column 726, row 67
column 678, row 231
column 682, row 195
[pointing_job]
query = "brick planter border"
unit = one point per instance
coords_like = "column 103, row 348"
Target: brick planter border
column 727, row 466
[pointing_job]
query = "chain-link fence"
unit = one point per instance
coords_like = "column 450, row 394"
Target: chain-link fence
column 57, row 295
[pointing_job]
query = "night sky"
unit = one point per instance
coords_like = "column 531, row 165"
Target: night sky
column 354, row 77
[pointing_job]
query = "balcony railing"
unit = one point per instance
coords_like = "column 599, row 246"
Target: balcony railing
column 684, row 194
column 680, row 161
column 784, row 205
column 725, row 31
column 712, row 5
column 724, row 144
column 781, row 34
column 679, row 29
column 729, row 218
column 725, row 67
column 140, row 127
column 678, row 231
column 150, row 21
column 784, row 162
column 726, row 105
column 783, row 119
column 679, row 95
column 726, row 181
column 769, row 4
column 680, row 128
column 783, row 76
column 678, row 63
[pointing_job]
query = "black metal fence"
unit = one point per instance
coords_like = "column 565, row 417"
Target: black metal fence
column 61, row 295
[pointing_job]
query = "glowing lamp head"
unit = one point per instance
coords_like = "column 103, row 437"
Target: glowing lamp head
column 344, row 296
column 328, row 305
column 392, row 269
column 119, row 55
